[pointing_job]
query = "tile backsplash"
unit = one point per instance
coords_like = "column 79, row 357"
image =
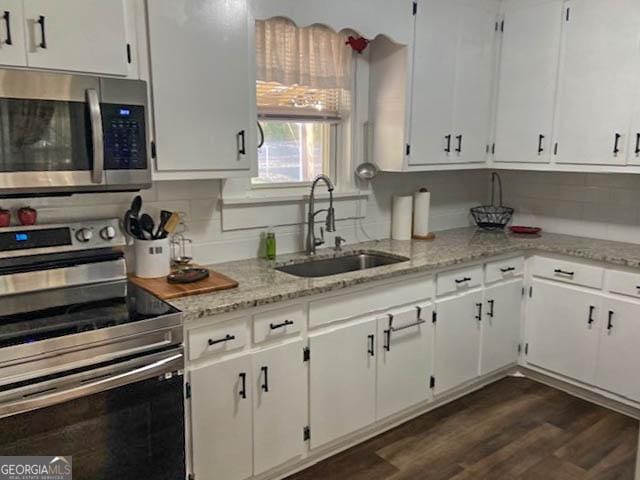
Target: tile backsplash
column 452, row 195
column 602, row 206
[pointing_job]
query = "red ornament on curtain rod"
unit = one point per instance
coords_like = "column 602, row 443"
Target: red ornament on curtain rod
column 359, row 44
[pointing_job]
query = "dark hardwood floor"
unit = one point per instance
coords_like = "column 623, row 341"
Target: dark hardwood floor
column 512, row 429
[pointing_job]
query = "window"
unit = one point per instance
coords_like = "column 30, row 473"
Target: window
column 303, row 95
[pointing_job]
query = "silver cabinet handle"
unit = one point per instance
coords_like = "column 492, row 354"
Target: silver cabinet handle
column 95, row 116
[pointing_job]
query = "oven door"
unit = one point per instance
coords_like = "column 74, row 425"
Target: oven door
column 50, row 132
column 121, row 420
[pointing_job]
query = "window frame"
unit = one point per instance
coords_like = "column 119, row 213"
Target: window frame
column 331, row 146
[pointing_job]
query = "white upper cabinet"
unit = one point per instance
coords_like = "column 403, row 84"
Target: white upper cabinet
column 473, row 81
column 369, row 18
column 527, row 80
column 77, row 35
column 203, row 85
column 598, row 78
column 433, row 82
column 453, row 68
column 12, row 47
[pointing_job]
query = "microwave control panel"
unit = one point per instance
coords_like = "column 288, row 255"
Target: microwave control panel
column 125, row 143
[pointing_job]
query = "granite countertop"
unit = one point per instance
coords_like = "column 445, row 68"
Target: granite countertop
column 261, row 284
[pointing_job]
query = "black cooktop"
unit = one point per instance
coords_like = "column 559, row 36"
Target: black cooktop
column 55, row 322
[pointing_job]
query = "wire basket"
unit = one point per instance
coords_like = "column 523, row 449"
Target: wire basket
column 493, row 217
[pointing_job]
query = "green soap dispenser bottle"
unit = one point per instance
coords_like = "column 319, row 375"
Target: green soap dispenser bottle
column 270, row 244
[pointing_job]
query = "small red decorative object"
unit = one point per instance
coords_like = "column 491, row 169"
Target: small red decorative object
column 27, row 216
column 522, row 230
column 358, row 44
column 5, row 218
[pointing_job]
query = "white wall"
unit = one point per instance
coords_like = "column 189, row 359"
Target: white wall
column 602, row 206
column 452, row 195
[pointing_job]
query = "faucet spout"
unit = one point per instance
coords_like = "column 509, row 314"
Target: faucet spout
column 330, row 221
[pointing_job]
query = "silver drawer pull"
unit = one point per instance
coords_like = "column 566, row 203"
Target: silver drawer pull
column 275, row 326
column 221, row 340
column 410, row 325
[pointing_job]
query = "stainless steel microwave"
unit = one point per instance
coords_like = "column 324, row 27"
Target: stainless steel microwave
column 63, row 133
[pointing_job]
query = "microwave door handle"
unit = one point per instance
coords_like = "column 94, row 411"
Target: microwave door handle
column 95, row 116
column 51, row 396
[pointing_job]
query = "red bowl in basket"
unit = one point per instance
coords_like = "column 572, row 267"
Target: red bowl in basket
column 522, row 230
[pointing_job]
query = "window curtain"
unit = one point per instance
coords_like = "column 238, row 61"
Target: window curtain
column 313, row 56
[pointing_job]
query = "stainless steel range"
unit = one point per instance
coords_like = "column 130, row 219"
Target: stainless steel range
column 90, row 365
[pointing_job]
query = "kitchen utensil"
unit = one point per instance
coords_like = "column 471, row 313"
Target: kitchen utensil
column 147, row 225
column 188, row 275
column 366, row 171
column 172, row 223
column 136, row 205
column 165, row 215
column 161, row 288
column 523, row 230
column 5, row 218
column 493, row 217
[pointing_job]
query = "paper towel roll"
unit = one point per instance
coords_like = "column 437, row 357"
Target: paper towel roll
column 401, row 218
column 421, row 205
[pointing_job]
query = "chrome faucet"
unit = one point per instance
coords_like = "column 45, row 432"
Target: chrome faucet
column 330, row 222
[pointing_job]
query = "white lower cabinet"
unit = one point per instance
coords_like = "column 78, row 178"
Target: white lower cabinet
column 501, row 326
column 563, row 330
column 248, row 413
column 619, row 354
column 221, row 411
column 405, row 343
column 342, row 381
column 280, row 406
column 457, row 340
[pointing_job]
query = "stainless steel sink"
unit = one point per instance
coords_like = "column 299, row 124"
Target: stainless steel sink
column 343, row 264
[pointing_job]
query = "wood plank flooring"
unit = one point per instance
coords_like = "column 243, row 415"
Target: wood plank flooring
column 512, row 429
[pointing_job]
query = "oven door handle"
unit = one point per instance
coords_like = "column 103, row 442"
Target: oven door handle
column 51, row 396
column 97, row 136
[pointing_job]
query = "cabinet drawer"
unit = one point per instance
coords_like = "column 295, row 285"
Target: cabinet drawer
column 569, row 272
column 369, row 301
column 278, row 323
column 216, row 339
column 624, row 283
column 504, row 269
column 457, row 280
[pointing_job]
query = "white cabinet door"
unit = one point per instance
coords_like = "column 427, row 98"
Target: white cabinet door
column 221, row 410
column 597, row 81
column 405, row 342
column 342, row 381
column 563, row 330
column 619, row 354
column 633, row 147
column 78, row 35
column 501, row 326
column 457, row 340
column 476, row 37
column 280, row 400
column 433, row 82
column 528, row 80
column 203, row 86
column 12, row 48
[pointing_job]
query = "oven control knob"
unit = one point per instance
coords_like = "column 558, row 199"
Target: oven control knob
column 108, row 233
column 84, row 235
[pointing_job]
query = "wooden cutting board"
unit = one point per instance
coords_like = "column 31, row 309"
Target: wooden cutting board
column 170, row 291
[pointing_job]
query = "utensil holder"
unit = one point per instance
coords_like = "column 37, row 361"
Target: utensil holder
column 152, row 258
